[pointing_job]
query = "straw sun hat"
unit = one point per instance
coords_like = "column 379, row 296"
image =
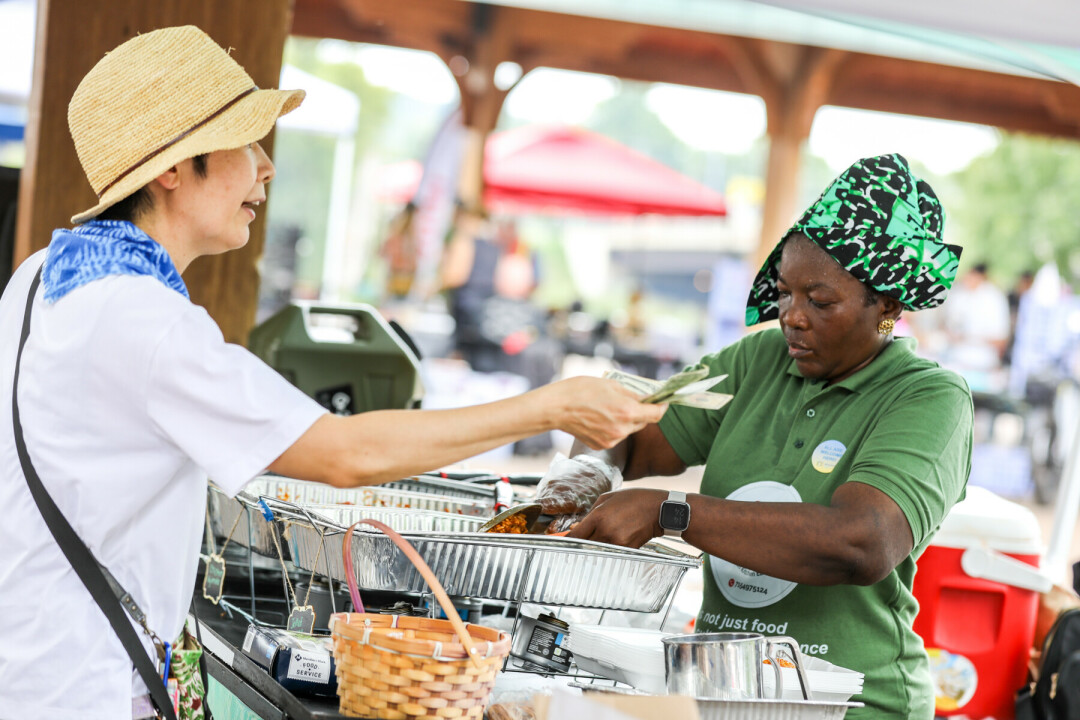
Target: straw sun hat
column 159, row 99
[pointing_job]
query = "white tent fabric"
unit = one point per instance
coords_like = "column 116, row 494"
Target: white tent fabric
column 16, row 50
column 1050, row 22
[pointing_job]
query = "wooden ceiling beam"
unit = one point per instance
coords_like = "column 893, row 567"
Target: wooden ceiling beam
column 437, row 27
column 950, row 93
column 647, row 67
column 690, row 57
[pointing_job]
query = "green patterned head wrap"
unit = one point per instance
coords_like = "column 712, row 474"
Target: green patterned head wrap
column 883, row 225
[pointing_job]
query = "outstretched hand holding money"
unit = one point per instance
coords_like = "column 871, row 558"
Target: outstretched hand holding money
column 686, row 388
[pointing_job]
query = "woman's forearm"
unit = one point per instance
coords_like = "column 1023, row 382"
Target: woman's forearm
column 375, row 447
column 858, row 539
column 794, row 541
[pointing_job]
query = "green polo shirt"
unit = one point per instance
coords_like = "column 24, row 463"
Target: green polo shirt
column 901, row 424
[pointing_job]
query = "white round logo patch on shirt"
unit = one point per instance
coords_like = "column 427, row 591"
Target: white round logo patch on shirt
column 827, row 454
column 743, row 587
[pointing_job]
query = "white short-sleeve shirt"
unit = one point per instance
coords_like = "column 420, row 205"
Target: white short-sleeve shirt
column 129, row 398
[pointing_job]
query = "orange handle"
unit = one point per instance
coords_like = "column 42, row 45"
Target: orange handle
column 422, row 568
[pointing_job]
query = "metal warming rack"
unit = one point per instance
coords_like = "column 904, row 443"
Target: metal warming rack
column 440, row 518
column 309, row 519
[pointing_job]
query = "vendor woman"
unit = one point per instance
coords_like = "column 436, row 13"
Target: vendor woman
column 829, row 472
column 129, row 397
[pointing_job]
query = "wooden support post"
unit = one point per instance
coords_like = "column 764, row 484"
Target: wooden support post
column 72, row 35
column 481, row 100
column 794, row 82
column 781, row 190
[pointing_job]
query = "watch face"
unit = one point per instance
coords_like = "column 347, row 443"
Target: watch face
column 674, row 515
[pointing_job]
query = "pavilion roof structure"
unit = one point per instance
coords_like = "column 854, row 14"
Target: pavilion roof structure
column 737, row 46
column 1024, row 78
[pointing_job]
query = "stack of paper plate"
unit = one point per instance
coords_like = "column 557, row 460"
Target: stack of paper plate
column 629, row 655
column 828, row 682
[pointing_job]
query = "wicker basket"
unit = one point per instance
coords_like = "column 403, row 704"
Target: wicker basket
column 408, row 668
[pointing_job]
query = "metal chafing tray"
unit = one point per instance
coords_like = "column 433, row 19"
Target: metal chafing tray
column 534, row 568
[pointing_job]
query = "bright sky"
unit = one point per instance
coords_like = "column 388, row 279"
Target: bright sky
column 841, row 136
column 707, row 119
column 16, row 46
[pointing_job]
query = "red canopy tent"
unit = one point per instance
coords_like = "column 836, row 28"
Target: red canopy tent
column 568, row 169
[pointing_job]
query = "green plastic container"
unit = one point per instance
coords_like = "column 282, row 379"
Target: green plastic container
column 346, row 357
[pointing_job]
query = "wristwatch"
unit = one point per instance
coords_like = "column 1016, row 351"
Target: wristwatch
column 675, row 514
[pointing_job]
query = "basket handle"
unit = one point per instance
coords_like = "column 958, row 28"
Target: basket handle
column 421, row 567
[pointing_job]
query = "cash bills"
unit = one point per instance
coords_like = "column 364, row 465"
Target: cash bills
column 689, row 388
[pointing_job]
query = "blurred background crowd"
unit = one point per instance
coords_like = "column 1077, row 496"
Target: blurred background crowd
column 639, row 254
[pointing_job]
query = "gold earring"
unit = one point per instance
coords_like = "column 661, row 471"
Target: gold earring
column 886, row 326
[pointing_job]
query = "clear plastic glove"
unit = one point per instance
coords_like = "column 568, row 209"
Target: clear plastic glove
column 564, row 523
column 571, row 485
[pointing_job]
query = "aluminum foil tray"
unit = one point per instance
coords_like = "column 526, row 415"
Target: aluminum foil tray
column 444, row 486
column 400, row 519
column 535, row 568
column 314, row 493
column 772, row 709
column 745, row 709
column 472, row 507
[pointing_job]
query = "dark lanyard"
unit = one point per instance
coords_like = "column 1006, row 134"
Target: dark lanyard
column 103, row 587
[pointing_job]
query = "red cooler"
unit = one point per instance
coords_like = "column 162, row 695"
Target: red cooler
column 978, row 589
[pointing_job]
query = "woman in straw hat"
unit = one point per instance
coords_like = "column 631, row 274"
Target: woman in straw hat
column 838, row 457
column 129, row 397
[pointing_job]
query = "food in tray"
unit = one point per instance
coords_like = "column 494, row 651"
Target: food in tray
column 526, row 519
column 515, row 524
column 518, row 519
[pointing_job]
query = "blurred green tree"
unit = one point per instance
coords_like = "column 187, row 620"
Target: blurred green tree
column 1015, row 208
column 626, row 117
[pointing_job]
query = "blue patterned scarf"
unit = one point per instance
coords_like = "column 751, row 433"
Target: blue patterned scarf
column 101, row 248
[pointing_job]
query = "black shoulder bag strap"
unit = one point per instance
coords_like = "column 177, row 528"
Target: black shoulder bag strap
column 104, row 588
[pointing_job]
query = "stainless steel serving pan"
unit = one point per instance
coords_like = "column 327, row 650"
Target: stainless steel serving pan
column 524, row 568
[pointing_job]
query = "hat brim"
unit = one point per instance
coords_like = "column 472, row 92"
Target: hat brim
column 247, row 121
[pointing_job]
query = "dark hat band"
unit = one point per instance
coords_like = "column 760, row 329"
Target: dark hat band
column 150, row 156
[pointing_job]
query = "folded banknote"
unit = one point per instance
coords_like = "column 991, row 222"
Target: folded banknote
column 689, row 388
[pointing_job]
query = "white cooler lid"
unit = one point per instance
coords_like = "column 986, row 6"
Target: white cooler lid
column 984, row 519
